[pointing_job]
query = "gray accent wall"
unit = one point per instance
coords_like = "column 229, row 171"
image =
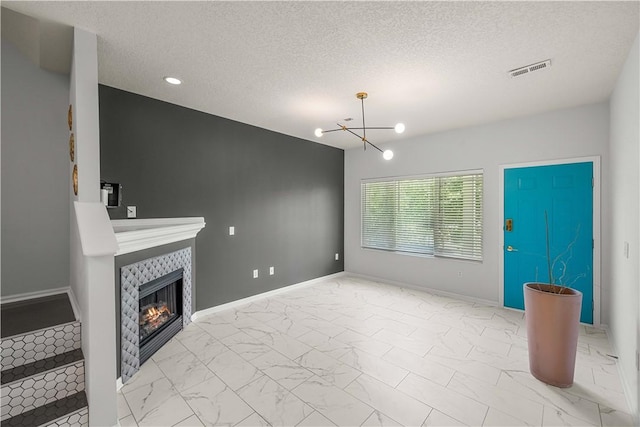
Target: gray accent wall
column 283, row 195
column 35, row 176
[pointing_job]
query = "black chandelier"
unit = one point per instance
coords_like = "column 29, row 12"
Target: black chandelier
column 386, row 154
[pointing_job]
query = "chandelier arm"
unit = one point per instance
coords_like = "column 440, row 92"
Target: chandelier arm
column 374, row 146
column 332, row 130
column 369, row 128
column 353, row 133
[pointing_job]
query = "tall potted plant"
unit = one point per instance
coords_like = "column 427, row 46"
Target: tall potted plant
column 552, row 314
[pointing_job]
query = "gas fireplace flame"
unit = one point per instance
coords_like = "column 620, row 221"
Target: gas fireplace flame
column 152, row 314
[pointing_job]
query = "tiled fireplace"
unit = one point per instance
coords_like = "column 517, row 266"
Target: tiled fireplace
column 155, row 305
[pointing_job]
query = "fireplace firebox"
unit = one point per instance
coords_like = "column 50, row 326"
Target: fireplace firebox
column 160, row 312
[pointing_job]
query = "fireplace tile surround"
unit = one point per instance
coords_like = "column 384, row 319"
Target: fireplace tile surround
column 133, row 276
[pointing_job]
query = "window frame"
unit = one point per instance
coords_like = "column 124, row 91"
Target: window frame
column 435, row 254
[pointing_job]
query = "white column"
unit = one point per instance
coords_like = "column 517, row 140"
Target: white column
column 93, row 242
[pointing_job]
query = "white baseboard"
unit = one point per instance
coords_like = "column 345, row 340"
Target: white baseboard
column 626, row 387
column 32, row 295
column 243, row 301
column 426, row 289
column 74, row 305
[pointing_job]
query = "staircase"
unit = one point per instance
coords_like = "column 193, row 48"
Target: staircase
column 42, row 364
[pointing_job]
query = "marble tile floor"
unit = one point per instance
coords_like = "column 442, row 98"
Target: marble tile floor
column 354, row 352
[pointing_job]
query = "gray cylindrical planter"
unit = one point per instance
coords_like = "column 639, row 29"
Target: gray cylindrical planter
column 553, row 323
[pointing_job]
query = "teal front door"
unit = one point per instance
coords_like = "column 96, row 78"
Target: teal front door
column 565, row 193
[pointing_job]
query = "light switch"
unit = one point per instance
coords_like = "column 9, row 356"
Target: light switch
column 131, row 211
column 271, row 271
column 232, row 231
column 255, row 274
column 337, row 256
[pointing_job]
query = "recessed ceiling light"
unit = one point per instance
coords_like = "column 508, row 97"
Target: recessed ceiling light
column 172, row 80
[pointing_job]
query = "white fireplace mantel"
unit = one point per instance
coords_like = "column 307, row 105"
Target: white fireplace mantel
column 137, row 234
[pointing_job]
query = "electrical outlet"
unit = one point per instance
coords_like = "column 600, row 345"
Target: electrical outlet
column 337, row 256
column 131, row 211
column 271, row 271
column 459, row 273
column 232, row 231
column 255, row 274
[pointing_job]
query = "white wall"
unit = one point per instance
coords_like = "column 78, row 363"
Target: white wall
column 93, row 243
column 576, row 132
column 624, row 276
column 35, row 184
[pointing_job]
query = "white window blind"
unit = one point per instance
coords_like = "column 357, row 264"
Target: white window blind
column 438, row 215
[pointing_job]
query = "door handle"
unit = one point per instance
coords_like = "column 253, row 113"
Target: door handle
column 511, row 249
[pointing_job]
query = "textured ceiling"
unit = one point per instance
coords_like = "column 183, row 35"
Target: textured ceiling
column 294, row 66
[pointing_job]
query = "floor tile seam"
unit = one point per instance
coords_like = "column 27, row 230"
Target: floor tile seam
column 580, row 396
column 77, row 362
column 173, row 385
column 287, row 392
column 344, row 391
column 375, row 357
column 353, row 346
column 194, row 415
column 176, row 393
column 128, row 406
column 247, row 417
column 288, row 336
column 125, row 387
column 158, row 361
column 223, row 381
column 331, row 372
column 548, row 401
column 408, row 396
column 517, row 416
column 265, row 373
column 565, row 412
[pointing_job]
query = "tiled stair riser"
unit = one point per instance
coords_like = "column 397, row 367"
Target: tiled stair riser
column 22, row 349
column 77, row 419
column 26, row 394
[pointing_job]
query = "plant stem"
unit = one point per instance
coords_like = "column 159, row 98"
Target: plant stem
column 546, row 227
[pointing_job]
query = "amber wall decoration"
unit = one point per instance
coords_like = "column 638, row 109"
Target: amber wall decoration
column 75, row 179
column 72, row 147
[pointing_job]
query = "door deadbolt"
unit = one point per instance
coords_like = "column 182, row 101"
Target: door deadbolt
column 508, row 224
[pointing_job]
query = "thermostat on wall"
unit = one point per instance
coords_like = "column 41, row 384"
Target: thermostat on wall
column 111, row 194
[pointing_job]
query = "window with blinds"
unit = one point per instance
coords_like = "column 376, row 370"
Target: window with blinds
column 436, row 215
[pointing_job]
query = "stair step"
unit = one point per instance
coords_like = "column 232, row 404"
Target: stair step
column 29, row 392
column 34, row 314
column 40, row 366
column 68, row 411
column 42, row 379
column 32, row 346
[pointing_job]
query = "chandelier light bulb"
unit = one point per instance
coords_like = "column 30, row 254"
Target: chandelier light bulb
column 399, row 128
column 318, row 132
column 387, row 155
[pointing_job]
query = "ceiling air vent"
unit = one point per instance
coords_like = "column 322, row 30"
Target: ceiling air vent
column 530, row 68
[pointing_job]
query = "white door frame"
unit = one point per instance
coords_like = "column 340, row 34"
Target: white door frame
column 597, row 267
